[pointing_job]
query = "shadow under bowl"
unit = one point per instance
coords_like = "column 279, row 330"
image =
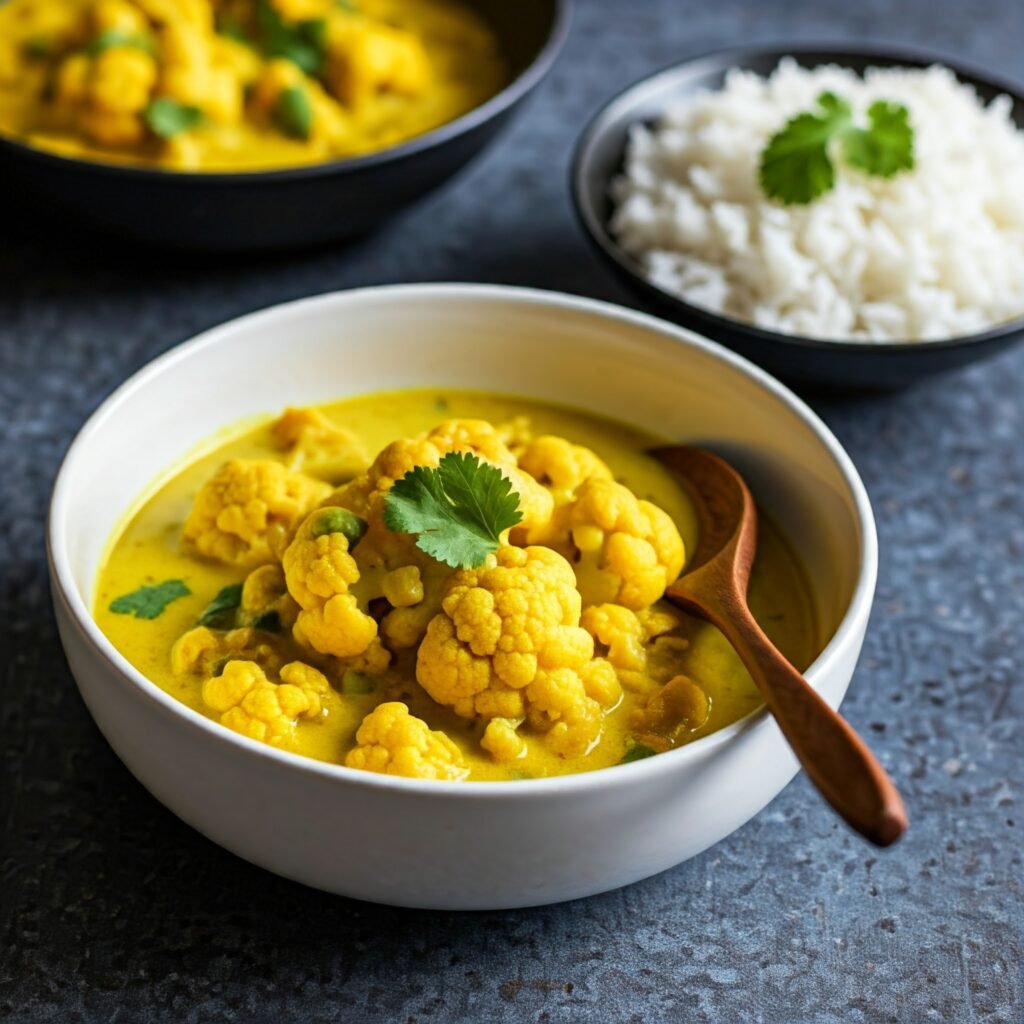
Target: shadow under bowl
column 300, row 206
column 844, row 365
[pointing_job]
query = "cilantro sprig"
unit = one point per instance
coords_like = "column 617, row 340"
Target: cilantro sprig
column 797, row 165
column 220, row 613
column 458, row 511
column 637, row 752
column 149, row 602
column 302, row 42
column 166, row 118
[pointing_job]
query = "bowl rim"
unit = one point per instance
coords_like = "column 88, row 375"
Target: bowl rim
column 514, row 91
column 66, row 592
column 597, row 232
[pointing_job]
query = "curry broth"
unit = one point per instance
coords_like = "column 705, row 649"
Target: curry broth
column 463, row 60
column 148, row 550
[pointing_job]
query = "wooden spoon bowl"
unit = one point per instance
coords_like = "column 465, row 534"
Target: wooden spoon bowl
column 714, row 587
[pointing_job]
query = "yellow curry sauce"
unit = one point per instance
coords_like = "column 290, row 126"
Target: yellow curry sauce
column 236, row 85
column 701, row 683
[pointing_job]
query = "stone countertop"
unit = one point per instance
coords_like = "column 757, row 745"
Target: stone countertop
column 111, row 909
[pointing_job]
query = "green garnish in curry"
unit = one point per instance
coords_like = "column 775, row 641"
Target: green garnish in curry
column 293, row 113
column 166, row 118
column 458, row 511
column 637, row 752
column 220, row 612
column 304, row 42
column 149, row 602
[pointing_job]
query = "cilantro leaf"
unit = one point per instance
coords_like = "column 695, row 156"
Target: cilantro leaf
column 112, row 37
column 796, row 165
column 304, row 42
column 458, row 510
column 220, row 612
column 294, row 113
column 887, row 147
column 149, row 602
column 637, row 752
column 166, row 117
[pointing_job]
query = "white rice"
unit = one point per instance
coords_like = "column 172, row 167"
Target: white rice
column 931, row 253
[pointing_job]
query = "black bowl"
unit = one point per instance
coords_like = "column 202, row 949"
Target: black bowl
column 848, row 365
column 302, row 205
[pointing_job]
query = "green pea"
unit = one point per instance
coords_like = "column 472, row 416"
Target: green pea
column 340, row 520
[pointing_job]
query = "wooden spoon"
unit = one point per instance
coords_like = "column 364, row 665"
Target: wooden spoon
column 715, row 587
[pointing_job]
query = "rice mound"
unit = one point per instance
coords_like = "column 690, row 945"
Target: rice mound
column 931, row 253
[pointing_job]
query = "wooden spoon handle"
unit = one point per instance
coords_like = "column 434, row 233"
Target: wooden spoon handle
column 835, row 758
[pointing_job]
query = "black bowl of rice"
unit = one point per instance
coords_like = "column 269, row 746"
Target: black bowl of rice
column 878, row 282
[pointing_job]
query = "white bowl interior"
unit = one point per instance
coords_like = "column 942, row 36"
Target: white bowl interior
column 567, row 350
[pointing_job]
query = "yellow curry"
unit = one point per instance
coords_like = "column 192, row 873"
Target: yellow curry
column 439, row 586
column 215, row 85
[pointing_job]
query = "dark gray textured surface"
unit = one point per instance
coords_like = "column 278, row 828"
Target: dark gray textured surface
column 110, row 909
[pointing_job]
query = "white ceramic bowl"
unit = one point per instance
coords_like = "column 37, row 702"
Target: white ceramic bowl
column 472, row 845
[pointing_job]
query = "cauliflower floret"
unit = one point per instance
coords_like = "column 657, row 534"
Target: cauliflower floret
column 104, row 95
column 202, row 651
column 317, row 446
column 239, row 58
column 502, row 741
column 319, row 571
column 122, row 79
column 264, row 595
column 404, row 626
column 625, row 550
column 393, row 742
column 71, row 83
column 561, row 466
column 199, row 69
column 252, row 705
column 248, row 509
column 168, row 49
column 329, row 124
column 165, row 12
column 601, row 682
column 381, row 552
column 404, row 587
column 365, row 58
column 365, row 495
column 371, row 662
column 508, row 644
column 516, row 433
column 620, row 632
column 119, row 15
column 636, row 643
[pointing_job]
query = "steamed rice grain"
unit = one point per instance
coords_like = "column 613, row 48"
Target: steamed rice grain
column 931, row 253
